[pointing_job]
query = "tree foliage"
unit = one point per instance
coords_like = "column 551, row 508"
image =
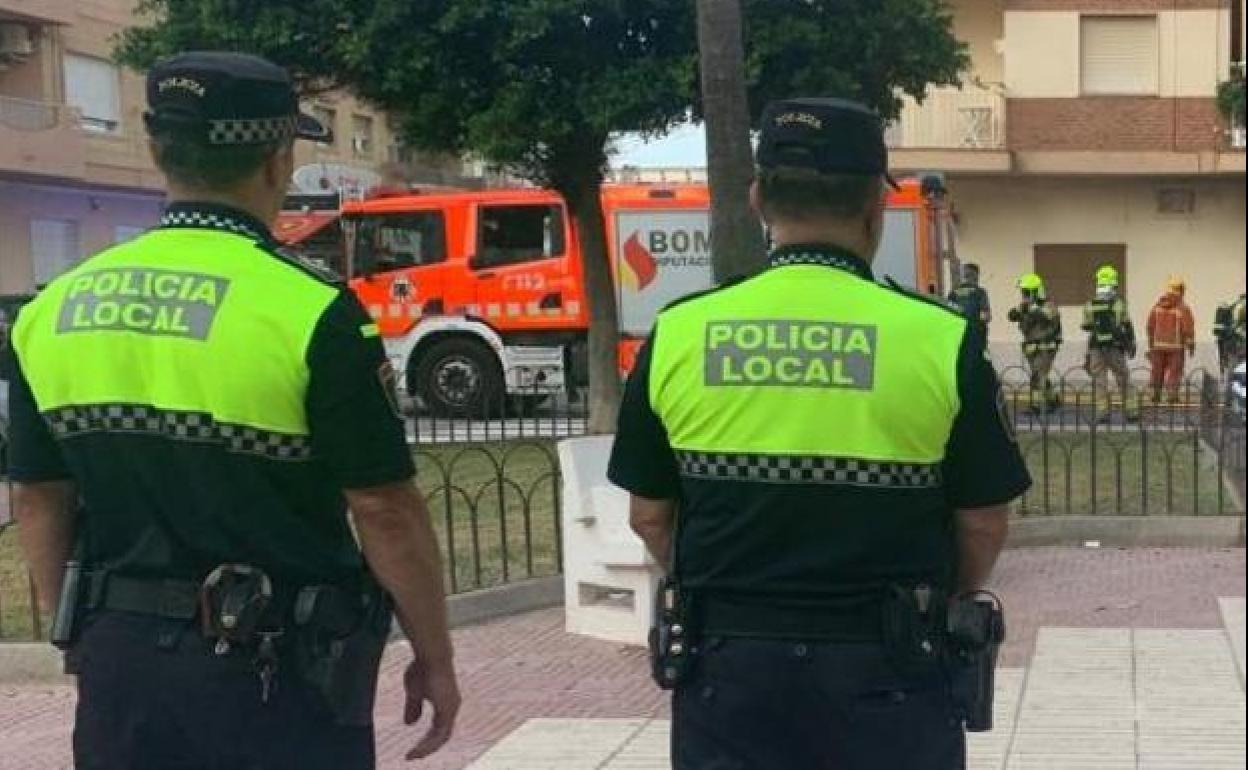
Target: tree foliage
column 868, row 50
column 540, row 87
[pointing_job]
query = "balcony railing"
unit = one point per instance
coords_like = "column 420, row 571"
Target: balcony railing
column 970, row 118
column 30, row 116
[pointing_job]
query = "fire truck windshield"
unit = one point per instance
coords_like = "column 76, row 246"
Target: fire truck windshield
column 397, row 241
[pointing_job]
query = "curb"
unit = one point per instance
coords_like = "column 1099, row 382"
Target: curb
column 479, row 606
column 31, row 663
column 1128, row 531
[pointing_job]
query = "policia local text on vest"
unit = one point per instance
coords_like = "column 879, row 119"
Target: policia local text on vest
column 798, row 446
column 211, row 405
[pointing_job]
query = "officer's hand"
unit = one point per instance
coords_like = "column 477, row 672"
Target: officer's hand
column 439, row 687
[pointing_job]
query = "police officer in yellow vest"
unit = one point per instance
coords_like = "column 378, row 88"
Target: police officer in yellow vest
column 1041, row 327
column 192, row 413
column 820, row 461
column 1111, row 344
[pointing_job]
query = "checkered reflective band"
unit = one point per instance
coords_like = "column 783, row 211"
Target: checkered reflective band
column 252, row 131
column 820, row 258
column 808, row 469
column 194, row 427
column 210, row 220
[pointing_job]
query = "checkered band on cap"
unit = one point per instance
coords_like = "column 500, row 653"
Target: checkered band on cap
column 209, row 220
column 807, row 469
column 195, row 427
column 252, row 131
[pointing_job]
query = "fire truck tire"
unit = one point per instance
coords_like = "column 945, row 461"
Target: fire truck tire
column 459, row 378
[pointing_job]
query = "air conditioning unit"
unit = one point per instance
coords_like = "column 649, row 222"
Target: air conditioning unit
column 17, row 42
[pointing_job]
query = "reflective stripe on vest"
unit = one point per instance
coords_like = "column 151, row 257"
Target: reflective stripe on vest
column 194, row 334
column 808, row 374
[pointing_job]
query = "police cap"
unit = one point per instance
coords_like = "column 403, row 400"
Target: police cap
column 828, row 136
column 227, row 99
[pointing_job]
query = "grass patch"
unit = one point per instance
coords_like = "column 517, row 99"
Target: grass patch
column 1122, row 474
column 496, row 510
column 16, row 620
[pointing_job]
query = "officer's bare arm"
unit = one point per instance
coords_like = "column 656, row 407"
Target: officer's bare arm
column 652, row 521
column 398, row 541
column 981, row 535
column 397, row 537
column 45, row 529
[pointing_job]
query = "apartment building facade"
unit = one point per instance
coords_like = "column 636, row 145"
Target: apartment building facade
column 1087, row 132
column 75, row 173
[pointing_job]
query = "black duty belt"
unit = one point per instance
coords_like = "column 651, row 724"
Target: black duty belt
column 168, row 599
column 722, row 616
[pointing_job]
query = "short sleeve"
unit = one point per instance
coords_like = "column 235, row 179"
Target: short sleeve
column 983, row 464
column 353, row 411
column 642, row 460
column 33, row 454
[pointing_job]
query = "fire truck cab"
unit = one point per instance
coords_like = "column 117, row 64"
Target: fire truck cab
column 480, row 296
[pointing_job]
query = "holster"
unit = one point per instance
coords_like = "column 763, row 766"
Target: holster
column 672, row 636
column 340, row 636
column 67, row 622
column 975, row 633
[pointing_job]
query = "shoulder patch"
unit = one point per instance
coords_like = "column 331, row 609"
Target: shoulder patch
column 929, row 299
column 728, row 284
column 304, row 265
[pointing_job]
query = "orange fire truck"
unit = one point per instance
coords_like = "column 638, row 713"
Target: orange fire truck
column 481, row 297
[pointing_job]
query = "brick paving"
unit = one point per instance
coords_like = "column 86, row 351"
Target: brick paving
column 521, row 668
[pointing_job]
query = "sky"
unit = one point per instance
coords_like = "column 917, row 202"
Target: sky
column 684, row 147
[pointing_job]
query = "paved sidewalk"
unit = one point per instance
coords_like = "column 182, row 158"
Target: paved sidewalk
column 524, row 668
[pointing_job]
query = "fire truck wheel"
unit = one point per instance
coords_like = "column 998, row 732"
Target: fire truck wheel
column 460, row 378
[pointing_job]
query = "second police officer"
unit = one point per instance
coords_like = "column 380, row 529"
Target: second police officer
column 197, row 410
column 805, row 450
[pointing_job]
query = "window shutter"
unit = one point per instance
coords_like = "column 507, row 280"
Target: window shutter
column 55, row 246
column 93, row 86
column 1120, row 55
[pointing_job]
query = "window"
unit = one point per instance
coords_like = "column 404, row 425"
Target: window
column 93, row 86
column 396, row 241
column 123, row 233
column 55, row 246
column 328, row 117
column 1069, row 269
column 362, row 136
column 1119, row 55
column 510, row 235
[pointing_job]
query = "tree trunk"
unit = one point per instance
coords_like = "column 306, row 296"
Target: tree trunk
column 736, row 235
column 585, row 204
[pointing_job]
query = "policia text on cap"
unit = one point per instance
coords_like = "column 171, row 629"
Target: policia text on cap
column 808, row 450
column 192, row 414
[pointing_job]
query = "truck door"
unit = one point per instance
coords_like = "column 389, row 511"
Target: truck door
column 522, row 268
column 400, row 266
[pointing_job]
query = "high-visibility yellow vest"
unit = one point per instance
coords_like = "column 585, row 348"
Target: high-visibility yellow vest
column 806, row 367
column 146, row 346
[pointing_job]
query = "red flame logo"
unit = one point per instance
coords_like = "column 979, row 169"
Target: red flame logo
column 640, row 261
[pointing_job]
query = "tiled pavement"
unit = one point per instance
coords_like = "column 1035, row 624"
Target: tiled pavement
column 1133, row 669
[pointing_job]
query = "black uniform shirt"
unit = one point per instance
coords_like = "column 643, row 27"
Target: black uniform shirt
column 164, row 508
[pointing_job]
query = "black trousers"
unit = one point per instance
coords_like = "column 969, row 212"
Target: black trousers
column 141, row 707
column 773, row 705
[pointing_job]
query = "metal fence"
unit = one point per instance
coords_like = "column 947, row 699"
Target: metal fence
column 523, row 415
column 1136, row 457
column 493, row 482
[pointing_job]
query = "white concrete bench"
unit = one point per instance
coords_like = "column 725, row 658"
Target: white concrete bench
column 610, row 579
